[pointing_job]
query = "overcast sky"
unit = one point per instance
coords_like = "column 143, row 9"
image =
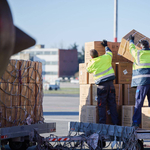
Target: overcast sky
column 60, row 23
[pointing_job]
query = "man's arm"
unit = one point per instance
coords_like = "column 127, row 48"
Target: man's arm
column 89, row 68
column 132, row 48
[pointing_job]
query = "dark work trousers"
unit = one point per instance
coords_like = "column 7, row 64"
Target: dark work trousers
column 140, row 95
column 106, row 94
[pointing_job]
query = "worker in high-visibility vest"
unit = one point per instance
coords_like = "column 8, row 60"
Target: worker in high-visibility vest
column 140, row 76
column 104, row 75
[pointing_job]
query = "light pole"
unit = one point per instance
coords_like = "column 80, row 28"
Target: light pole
column 115, row 20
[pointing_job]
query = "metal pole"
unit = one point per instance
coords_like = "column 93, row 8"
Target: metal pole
column 115, row 20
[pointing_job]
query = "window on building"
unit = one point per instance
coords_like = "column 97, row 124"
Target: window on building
column 50, row 73
column 39, row 53
column 47, row 53
column 54, row 52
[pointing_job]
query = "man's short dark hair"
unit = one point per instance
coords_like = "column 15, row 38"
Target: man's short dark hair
column 93, row 53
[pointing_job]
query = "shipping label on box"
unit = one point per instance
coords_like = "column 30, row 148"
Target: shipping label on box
column 129, row 94
column 88, row 114
column 146, row 118
column 85, row 94
column 124, row 73
column 124, row 46
column 83, row 74
column 127, row 114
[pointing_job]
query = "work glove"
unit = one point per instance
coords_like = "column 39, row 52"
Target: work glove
column 104, row 43
column 131, row 38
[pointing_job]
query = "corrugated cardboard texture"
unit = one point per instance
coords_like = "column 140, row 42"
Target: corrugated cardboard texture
column 83, row 75
column 127, row 114
column 146, row 118
column 38, row 74
column 119, row 94
column 124, row 46
column 12, row 72
column 88, row 114
column 145, row 102
column 32, row 72
column 94, row 95
column 9, row 94
column 24, row 95
column 129, row 94
column 124, row 73
column 24, row 71
column 91, row 78
column 39, row 94
column 85, row 94
column 32, row 94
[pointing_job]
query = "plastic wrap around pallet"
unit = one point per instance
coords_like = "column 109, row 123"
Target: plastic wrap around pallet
column 21, row 94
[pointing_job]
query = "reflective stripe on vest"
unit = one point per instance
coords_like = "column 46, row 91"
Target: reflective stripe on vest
column 138, row 60
column 103, row 72
column 103, row 77
column 109, row 54
column 141, row 76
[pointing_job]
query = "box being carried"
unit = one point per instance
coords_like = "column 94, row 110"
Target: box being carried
column 124, row 46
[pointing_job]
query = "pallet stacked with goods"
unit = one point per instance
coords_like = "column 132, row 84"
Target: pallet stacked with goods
column 21, row 94
column 88, row 111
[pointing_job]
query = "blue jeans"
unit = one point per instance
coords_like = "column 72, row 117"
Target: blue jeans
column 140, row 95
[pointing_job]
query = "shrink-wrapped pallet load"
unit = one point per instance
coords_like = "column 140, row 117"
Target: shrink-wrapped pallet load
column 21, row 94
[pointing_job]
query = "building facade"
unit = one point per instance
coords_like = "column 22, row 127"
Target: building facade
column 56, row 63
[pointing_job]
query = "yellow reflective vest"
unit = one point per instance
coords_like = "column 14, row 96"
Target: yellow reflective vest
column 141, row 66
column 101, row 67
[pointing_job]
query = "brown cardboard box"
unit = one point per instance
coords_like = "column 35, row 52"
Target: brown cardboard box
column 12, row 72
column 88, row 114
column 38, row 74
column 146, row 118
column 114, row 46
column 91, row 78
column 83, row 74
column 9, row 94
column 129, row 94
column 124, row 73
column 10, row 116
column 119, row 94
column 38, row 94
column 124, row 46
column 24, row 95
column 94, row 94
column 127, row 114
column 32, row 94
column 39, row 113
column 32, row 72
column 85, row 94
column 145, row 102
column 24, row 71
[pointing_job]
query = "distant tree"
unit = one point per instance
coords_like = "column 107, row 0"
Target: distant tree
column 74, row 46
column 81, row 55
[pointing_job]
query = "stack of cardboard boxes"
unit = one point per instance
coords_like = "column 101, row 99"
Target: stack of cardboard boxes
column 21, row 93
column 125, row 95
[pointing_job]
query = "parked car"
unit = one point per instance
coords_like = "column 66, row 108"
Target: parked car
column 55, row 85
